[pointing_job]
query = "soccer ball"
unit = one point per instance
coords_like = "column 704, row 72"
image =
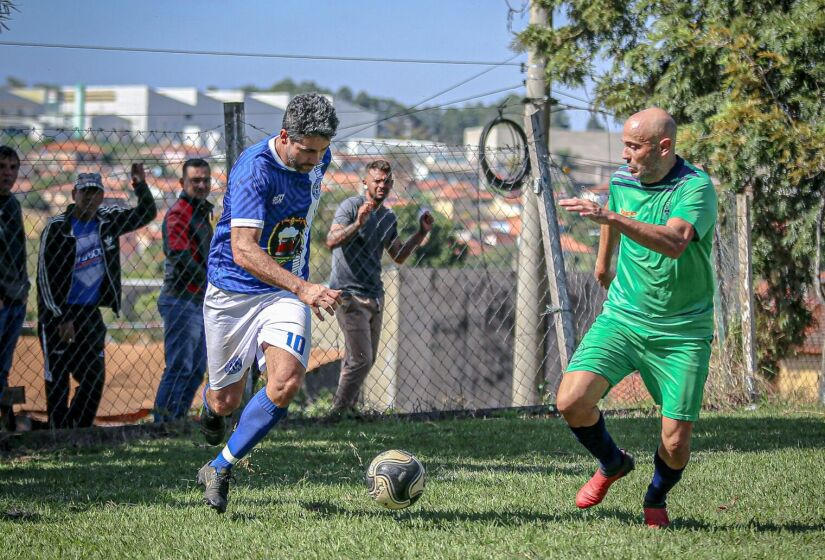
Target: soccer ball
column 396, row 479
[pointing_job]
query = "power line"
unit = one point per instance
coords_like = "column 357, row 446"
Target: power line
column 442, row 92
column 571, row 96
column 443, row 106
column 256, row 55
column 419, row 110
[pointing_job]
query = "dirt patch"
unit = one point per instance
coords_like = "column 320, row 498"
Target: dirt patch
column 133, row 372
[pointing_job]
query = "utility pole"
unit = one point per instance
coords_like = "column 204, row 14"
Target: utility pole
column 748, row 317
column 530, row 301
column 534, row 263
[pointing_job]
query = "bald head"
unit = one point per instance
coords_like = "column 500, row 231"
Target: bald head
column 649, row 137
column 653, row 124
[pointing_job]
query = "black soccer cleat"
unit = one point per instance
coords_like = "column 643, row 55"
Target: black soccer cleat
column 213, row 427
column 216, row 486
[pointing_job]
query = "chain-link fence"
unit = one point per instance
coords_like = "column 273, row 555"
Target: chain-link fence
column 450, row 312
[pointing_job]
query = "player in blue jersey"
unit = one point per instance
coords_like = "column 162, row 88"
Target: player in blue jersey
column 258, row 301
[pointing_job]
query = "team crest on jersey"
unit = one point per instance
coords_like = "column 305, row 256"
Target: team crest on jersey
column 287, row 239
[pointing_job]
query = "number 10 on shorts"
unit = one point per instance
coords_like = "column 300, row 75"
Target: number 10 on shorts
column 296, row 342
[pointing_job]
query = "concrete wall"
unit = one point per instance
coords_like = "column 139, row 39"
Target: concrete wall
column 447, row 339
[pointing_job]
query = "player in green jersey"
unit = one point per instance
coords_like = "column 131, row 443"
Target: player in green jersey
column 658, row 317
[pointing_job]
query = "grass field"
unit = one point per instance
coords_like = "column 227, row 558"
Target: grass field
column 497, row 488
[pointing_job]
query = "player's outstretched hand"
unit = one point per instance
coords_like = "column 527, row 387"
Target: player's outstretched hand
column 319, row 297
column 585, row 208
column 138, row 175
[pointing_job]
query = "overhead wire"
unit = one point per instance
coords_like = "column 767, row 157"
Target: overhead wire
column 440, row 93
column 338, row 58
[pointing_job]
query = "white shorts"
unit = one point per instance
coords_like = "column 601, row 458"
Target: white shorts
column 237, row 324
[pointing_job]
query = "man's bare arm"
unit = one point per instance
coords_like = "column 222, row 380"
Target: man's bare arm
column 339, row 234
column 249, row 255
column 670, row 239
column 608, row 240
column 399, row 253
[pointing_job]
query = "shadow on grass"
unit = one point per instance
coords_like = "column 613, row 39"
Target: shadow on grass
column 690, row 523
column 435, row 516
column 513, row 518
column 155, row 471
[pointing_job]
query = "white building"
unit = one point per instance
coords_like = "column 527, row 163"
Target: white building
column 146, row 113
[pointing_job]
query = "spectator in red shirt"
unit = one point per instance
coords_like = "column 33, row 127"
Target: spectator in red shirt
column 187, row 234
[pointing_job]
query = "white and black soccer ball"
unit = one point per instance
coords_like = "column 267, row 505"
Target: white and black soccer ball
column 396, row 479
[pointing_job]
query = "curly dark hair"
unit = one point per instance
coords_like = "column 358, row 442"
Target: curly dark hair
column 310, row 114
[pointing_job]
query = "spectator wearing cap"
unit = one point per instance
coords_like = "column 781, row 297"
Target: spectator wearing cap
column 14, row 280
column 78, row 271
column 187, row 233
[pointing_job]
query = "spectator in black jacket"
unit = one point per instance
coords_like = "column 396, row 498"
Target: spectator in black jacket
column 78, row 271
column 187, row 234
column 14, row 280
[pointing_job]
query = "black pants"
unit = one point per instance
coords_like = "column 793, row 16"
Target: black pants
column 81, row 359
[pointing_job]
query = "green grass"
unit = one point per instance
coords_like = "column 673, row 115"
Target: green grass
column 497, row 488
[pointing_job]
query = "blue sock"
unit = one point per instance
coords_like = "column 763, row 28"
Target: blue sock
column 256, row 420
column 599, row 443
column 664, row 478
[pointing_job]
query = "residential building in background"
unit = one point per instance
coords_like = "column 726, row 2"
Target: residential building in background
column 142, row 111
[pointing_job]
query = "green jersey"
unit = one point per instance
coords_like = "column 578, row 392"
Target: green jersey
column 660, row 294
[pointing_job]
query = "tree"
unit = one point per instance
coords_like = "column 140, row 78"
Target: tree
column 345, row 93
column 13, row 82
column 559, row 118
column 744, row 81
column 6, row 8
column 594, row 123
column 441, row 249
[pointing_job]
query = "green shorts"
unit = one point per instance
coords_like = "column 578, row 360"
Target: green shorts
column 674, row 368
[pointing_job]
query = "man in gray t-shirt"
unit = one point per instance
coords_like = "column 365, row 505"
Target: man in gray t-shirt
column 362, row 229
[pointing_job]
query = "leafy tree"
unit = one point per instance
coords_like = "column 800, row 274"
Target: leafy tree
column 744, row 80
column 345, row 93
column 559, row 118
column 13, row 82
column 441, row 249
column 594, row 123
column 6, row 8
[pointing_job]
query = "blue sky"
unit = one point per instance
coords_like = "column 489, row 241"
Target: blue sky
column 422, row 29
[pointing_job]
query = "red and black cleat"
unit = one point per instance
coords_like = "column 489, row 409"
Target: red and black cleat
column 656, row 517
column 595, row 489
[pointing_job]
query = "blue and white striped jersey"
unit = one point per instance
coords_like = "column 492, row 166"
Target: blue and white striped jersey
column 264, row 193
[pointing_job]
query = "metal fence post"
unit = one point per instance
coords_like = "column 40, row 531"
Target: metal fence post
column 553, row 255
column 233, row 122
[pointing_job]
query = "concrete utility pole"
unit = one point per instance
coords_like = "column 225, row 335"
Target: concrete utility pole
column 743, row 225
column 534, row 263
column 530, row 298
